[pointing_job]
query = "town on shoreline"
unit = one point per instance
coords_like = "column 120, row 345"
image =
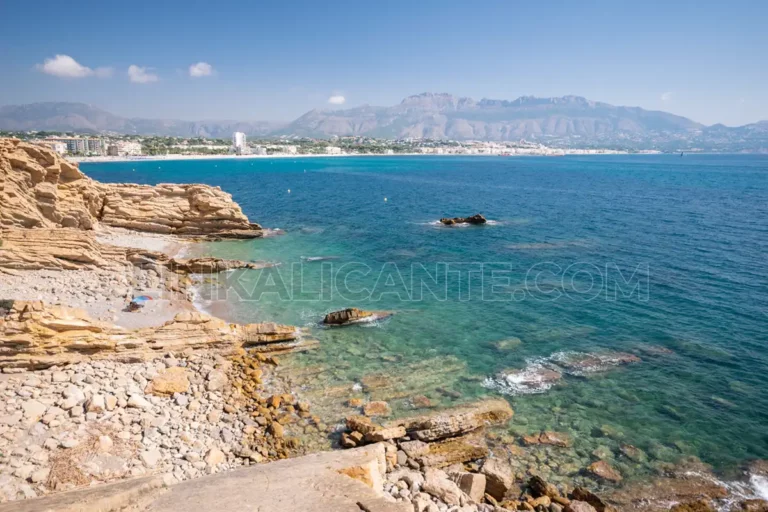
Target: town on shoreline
column 81, row 147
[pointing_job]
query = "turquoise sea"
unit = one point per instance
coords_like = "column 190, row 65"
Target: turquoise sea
column 658, row 256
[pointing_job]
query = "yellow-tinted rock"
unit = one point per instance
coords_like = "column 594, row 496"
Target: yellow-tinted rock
column 39, row 189
column 169, row 381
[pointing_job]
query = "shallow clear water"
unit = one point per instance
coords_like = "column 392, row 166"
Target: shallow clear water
column 694, row 231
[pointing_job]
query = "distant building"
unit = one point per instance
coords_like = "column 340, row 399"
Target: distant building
column 81, row 145
column 333, row 150
column 239, row 145
column 124, row 148
column 259, row 150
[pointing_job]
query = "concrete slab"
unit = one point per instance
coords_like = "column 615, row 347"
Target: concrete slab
column 336, row 481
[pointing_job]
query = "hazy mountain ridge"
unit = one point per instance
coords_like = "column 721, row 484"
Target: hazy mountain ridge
column 81, row 117
column 570, row 121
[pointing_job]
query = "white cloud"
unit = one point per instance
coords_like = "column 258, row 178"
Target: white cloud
column 66, row 67
column 667, row 96
column 140, row 75
column 337, row 100
column 200, row 69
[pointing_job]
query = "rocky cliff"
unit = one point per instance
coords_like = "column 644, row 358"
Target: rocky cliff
column 38, row 189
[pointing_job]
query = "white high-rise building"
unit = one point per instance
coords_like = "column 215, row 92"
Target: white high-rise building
column 238, row 143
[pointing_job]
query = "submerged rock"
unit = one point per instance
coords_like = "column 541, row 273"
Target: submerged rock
column 578, row 363
column 474, row 219
column 535, row 378
column 507, row 344
column 602, row 469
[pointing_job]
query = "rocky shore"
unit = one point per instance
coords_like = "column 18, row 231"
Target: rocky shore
column 93, row 393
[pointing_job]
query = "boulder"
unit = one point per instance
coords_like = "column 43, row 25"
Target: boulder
column 169, row 381
column 582, row 494
column 456, row 421
column 437, row 484
column 385, row 434
column 455, row 450
column 499, row 478
column 605, row 471
column 555, row 439
column 539, row 487
column 378, row 408
column 579, row 506
column 472, row 484
column 348, row 316
column 473, row 219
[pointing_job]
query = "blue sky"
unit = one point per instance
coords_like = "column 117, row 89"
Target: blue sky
column 705, row 60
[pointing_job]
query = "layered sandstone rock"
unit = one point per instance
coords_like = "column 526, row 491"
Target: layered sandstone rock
column 347, row 316
column 353, row 316
column 55, row 249
column 74, row 249
column 439, row 439
column 38, row 189
column 456, row 421
column 34, row 335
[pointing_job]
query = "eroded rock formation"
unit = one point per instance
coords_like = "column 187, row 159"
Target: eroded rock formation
column 74, row 249
column 38, row 189
column 34, row 335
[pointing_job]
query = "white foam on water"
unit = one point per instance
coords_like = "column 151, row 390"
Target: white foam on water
column 759, row 486
column 755, row 488
column 528, row 381
column 439, row 224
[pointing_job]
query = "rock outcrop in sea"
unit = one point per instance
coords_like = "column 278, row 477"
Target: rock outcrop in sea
column 472, row 219
column 353, row 316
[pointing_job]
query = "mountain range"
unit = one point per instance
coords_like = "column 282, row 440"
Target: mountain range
column 568, row 121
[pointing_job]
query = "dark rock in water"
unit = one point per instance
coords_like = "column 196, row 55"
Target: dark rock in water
column 350, row 316
column 474, row 219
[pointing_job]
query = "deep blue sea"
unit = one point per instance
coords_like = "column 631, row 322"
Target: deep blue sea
column 661, row 257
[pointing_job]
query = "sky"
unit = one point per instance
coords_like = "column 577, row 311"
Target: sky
column 275, row 61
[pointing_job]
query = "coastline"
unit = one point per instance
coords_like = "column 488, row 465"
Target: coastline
column 202, row 425
column 154, row 158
